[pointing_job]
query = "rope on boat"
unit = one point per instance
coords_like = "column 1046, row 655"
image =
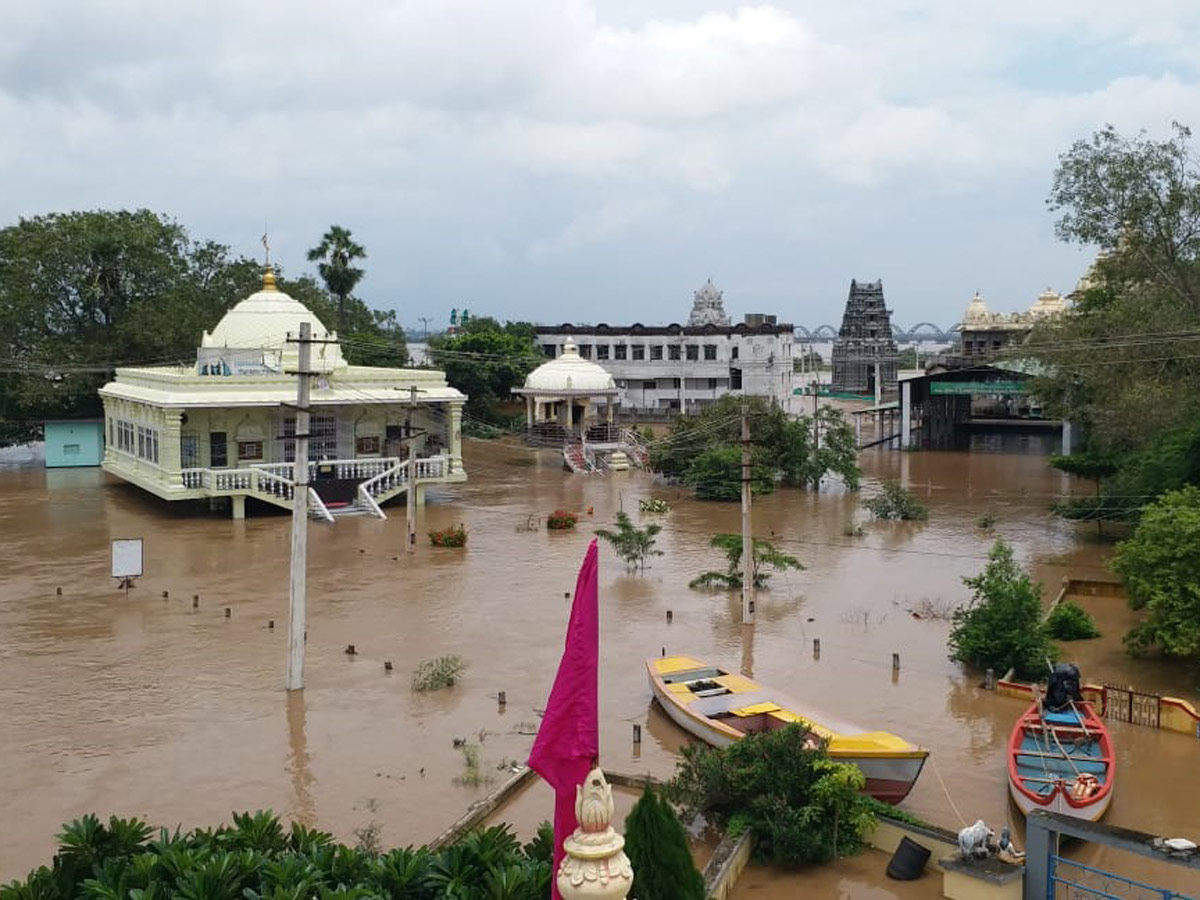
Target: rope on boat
column 946, row 791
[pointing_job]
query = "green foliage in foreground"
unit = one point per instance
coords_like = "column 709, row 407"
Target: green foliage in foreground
column 1160, row 565
column 1001, row 627
column 801, row 805
column 766, row 555
column 894, row 502
column 657, row 847
column 1069, row 621
column 258, row 859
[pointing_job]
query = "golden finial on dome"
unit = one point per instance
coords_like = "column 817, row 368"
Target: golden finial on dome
column 269, row 279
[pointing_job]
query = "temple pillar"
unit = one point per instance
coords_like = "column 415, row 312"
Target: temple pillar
column 529, row 413
column 455, row 436
column 170, row 447
column 237, row 506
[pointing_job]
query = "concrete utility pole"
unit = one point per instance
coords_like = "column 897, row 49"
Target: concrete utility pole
column 747, row 538
column 298, row 591
column 816, row 422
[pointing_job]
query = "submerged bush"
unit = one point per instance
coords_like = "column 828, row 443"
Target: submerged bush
column 1069, row 621
column 894, row 502
column 438, row 673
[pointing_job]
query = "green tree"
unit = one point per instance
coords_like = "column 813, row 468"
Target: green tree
column 802, row 806
column 632, row 544
column 1069, row 621
column 1160, row 566
column 486, row 362
column 1138, row 199
column 334, row 256
column 766, row 556
column 1001, row 627
column 658, row 850
column 783, row 448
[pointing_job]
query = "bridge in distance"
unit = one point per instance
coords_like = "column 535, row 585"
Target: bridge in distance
column 922, row 331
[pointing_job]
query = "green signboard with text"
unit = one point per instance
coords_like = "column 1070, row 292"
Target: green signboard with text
column 973, row 388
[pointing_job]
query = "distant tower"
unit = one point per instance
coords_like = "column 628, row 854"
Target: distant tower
column 708, row 307
column 865, row 339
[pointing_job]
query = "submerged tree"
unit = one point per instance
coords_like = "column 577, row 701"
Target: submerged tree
column 1001, row 627
column 895, row 502
column 766, row 556
column 632, row 544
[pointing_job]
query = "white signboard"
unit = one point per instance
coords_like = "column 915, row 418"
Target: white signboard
column 127, row 558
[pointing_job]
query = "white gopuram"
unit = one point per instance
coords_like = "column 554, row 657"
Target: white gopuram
column 595, row 865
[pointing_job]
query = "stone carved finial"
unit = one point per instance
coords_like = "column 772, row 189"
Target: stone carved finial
column 595, row 865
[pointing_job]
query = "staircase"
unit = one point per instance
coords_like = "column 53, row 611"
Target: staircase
column 635, row 447
column 576, row 459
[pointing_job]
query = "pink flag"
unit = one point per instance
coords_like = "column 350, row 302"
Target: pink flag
column 568, row 741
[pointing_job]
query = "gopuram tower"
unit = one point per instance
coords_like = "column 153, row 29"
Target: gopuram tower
column 865, row 344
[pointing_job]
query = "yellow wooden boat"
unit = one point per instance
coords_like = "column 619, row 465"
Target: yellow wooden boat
column 720, row 707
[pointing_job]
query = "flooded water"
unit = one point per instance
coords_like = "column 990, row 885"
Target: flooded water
column 144, row 705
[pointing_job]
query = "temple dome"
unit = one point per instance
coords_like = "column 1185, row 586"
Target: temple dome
column 265, row 319
column 1048, row 303
column 708, row 307
column 570, row 372
column 977, row 310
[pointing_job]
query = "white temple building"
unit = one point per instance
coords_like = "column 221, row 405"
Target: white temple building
column 225, row 427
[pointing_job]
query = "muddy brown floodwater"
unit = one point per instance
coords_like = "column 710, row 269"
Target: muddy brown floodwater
column 144, row 706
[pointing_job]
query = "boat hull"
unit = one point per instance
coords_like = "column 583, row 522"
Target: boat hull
column 889, row 778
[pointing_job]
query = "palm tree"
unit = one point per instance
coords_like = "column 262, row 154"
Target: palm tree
column 334, row 255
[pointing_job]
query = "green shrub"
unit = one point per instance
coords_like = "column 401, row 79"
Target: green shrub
column 440, row 672
column 802, row 806
column 658, row 849
column 449, row 537
column 257, row 860
column 894, row 502
column 1069, row 621
column 561, row 520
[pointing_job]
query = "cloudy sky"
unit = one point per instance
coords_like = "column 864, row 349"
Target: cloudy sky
column 597, row 161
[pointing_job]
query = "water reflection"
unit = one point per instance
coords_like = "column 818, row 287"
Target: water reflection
column 303, row 807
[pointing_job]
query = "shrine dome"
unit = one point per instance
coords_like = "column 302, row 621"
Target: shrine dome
column 569, row 373
column 977, row 310
column 265, row 320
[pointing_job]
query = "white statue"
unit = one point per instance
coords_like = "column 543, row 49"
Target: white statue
column 595, row 865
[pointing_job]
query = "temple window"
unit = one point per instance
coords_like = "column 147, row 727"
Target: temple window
column 710, row 351
column 693, row 352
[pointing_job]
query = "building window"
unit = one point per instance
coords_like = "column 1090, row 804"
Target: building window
column 70, row 449
column 585, row 351
column 189, row 451
column 712, row 384
column 649, row 385
column 693, row 352
column 710, row 351
column 733, row 352
column 367, row 446
column 620, row 351
column 656, row 352
column 735, row 379
column 673, row 352
column 602, row 351
column 551, row 350
column 250, row 450
column 322, row 438
column 639, row 352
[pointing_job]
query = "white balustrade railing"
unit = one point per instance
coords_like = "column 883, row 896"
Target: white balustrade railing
column 387, row 481
column 275, row 485
column 317, row 506
column 194, row 478
column 368, row 501
column 382, row 475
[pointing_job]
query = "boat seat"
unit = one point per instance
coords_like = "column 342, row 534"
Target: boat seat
column 1061, row 718
column 691, row 675
column 755, row 709
column 712, row 692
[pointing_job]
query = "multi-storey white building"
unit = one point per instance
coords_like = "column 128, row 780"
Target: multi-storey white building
column 659, row 368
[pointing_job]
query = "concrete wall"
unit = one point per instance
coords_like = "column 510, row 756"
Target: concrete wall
column 70, row 444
